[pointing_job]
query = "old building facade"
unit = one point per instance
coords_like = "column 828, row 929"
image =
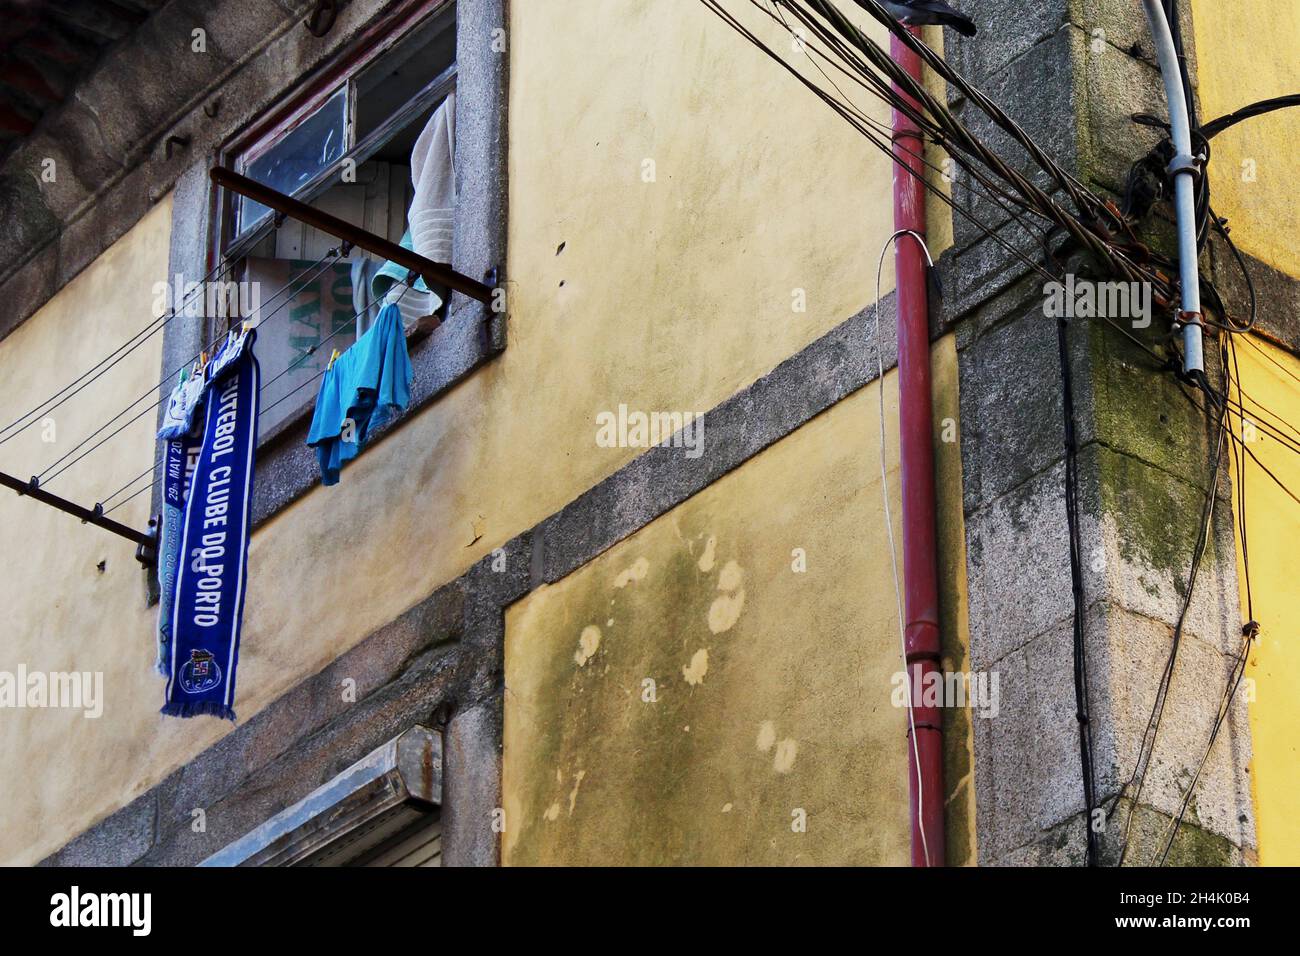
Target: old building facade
column 519, row 631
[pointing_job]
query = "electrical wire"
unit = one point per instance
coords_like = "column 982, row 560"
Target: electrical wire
column 994, row 193
column 133, row 496
column 945, row 137
column 1232, row 373
column 1217, row 126
column 944, row 129
column 265, row 385
column 875, row 140
column 46, row 476
column 92, row 374
column 1250, row 630
column 1080, row 656
column 1225, row 708
column 1249, row 341
column 103, row 503
column 889, row 527
column 1146, row 749
column 161, row 385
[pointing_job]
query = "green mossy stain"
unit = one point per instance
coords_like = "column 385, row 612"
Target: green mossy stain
column 1151, row 455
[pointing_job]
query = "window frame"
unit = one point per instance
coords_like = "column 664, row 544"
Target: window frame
column 471, row 333
column 317, row 91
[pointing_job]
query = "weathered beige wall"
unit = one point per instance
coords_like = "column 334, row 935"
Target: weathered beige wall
column 58, row 611
column 1246, row 52
column 771, row 686
column 667, row 295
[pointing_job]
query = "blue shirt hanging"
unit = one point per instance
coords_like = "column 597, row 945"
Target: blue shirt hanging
column 366, row 386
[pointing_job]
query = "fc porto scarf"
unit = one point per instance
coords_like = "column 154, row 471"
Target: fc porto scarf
column 178, row 469
column 211, row 575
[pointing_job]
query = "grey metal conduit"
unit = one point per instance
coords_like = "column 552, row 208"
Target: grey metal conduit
column 1185, row 168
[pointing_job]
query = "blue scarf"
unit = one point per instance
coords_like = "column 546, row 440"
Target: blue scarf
column 182, row 452
column 178, row 469
column 211, row 573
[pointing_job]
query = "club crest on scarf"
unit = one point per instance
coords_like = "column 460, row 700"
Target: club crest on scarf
column 201, row 673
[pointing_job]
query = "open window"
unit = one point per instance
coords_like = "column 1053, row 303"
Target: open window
column 369, row 141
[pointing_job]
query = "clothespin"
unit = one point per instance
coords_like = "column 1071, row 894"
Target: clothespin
column 333, row 357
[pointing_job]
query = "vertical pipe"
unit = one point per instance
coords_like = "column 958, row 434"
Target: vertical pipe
column 1185, row 170
column 916, row 450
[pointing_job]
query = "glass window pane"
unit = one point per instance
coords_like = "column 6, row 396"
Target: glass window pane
column 393, row 80
column 310, row 147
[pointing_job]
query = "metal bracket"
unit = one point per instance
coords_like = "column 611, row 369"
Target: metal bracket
column 172, row 142
column 1181, row 164
column 146, row 552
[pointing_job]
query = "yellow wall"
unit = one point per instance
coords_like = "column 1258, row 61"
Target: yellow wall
column 771, row 686
column 1271, row 379
column 668, row 295
column 60, row 611
column 1247, row 51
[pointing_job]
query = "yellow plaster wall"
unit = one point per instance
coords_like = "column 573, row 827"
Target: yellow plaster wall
column 691, row 697
column 669, row 294
column 59, row 611
column 1246, row 52
column 1271, row 379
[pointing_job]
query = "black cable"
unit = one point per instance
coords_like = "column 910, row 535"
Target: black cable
column 846, row 113
column 133, row 495
column 1231, row 371
column 1270, row 358
column 1215, row 127
column 1225, row 708
column 1089, row 227
column 101, row 367
column 145, row 411
column 1265, row 469
column 1250, row 630
column 1006, row 202
column 1086, row 759
column 868, row 134
column 103, row 503
column 1146, row 749
column 1240, row 460
column 1228, row 325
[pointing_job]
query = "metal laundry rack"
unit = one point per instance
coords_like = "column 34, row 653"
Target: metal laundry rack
column 433, row 273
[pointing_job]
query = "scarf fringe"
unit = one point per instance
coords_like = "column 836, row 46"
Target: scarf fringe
column 198, row 708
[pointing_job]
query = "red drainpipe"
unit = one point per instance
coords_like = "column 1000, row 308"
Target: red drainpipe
column 920, row 566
